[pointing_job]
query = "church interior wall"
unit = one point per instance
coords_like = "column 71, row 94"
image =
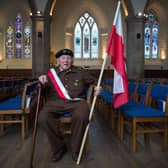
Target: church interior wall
column 8, row 13
column 160, row 8
column 63, row 20
column 66, row 14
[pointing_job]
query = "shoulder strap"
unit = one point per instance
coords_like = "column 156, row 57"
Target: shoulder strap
column 58, row 85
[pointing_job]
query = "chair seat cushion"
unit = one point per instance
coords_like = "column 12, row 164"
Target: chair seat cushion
column 133, row 109
column 130, row 104
column 13, row 103
column 66, row 115
column 107, row 96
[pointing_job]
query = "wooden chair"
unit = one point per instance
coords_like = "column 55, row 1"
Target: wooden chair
column 145, row 115
column 66, row 119
column 105, row 101
column 132, row 91
column 18, row 108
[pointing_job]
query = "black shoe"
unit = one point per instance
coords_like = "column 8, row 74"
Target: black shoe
column 58, row 156
column 75, row 156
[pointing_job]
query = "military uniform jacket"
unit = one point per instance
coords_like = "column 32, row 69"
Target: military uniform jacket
column 75, row 80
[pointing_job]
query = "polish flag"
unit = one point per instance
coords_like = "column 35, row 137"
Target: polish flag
column 115, row 49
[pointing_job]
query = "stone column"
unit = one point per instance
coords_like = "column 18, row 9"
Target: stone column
column 40, row 44
column 135, row 47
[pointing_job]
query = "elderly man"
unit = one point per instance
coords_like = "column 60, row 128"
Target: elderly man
column 66, row 86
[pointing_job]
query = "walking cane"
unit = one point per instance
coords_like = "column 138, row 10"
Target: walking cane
column 35, row 126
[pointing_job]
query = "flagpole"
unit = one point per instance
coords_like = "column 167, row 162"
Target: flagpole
column 95, row 97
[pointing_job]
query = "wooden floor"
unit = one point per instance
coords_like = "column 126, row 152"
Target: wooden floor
column 106, row 151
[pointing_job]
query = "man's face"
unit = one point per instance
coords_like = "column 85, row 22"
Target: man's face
column 65, row 62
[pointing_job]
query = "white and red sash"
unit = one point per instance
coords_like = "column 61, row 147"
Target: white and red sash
column 58, row 85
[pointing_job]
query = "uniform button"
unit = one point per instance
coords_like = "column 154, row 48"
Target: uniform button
column 66, row 86
column 66, row 79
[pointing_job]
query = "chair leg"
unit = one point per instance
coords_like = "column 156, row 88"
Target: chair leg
column 23, row 127
column 134, row 135
column 2, row 126
column 112, row 110
column 107, row 111
column 121, row 127
column 119, row 124
column 87, row 146
column 26, row 125
column 165, row 134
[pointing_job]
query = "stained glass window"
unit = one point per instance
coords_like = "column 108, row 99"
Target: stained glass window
column 18, row 39
column 27, row 40
column 86, row 37
column 18, row 36
column 151, row 37
column 9, row 45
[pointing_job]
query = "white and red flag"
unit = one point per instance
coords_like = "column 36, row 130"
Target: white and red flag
column 115, row 49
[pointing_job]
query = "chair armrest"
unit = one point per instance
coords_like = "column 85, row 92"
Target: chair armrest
column 25, row 93
column 90, row 94
column 166, row 106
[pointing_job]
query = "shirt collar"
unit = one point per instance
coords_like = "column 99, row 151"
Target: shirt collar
column 65, row 71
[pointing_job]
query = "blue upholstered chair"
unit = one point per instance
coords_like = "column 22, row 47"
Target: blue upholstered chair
column 66, row 119
column 18, row 108
column 106, row 100
column 146, row 112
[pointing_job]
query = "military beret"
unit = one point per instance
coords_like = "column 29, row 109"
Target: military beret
column 64, row 52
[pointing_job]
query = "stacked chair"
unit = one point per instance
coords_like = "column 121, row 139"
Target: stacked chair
column 106, row 100
column 16, row 109
column 146, row 111
column 66, row 119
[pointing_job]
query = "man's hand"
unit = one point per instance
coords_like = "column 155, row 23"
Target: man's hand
column 43, row 79
column 97, row 90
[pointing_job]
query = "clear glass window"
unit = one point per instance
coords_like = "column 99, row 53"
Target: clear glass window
column 86, row 38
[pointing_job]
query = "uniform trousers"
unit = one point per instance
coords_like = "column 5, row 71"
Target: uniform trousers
column 80, row 118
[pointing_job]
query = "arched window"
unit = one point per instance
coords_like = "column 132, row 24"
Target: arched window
column 18, row 39
column 151, row 37
column 86, row 38
column 27, row 40
column 18, row 36
column 9, row 41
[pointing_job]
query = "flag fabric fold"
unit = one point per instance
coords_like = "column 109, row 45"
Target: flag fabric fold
column 115, row 49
